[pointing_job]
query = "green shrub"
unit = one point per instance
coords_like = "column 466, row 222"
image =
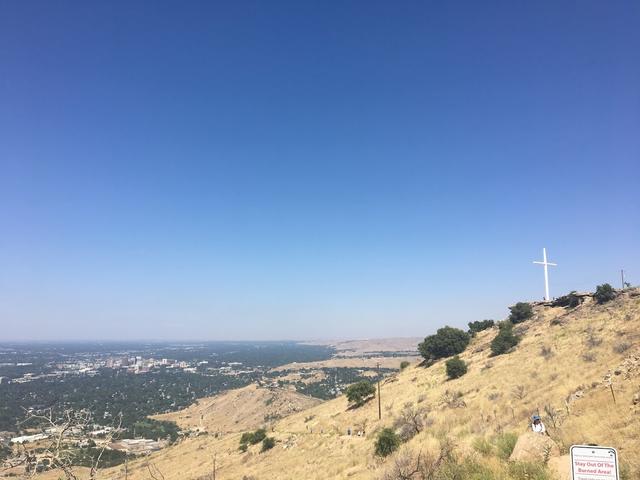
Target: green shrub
column 243, row 447
column 625, row 471
column 466, row 469
column 604, row 293
column 480, row 325
column 447, row 341
column 528, row 471
column 456, row 367
column 520, row 312
column 571, row 300
column 5, row 452
column 505, row 443
column 505, row 340
column 387, row 442
column 150, row 428
column 268, row 443
column 483, row 446
column 88, row 456
column 360, row 392
column 253, row 438
column 404, row 364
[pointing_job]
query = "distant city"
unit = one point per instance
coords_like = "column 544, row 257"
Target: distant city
column 136, row 365
column 120, row 385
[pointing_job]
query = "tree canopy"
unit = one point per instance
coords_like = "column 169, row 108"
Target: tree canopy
column 456, row 367
column 360, row 392
column 520, row 312
column 480, row 325
column 447, row 341
column 387, row 442
column 505, row 340
column 604, row 293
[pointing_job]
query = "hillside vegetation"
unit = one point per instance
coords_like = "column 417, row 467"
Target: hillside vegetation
column 240, row 410
column 565, row 367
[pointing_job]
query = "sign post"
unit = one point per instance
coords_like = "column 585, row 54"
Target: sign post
column 594, row 463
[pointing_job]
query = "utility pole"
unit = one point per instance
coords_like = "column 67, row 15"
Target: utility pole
column 126, row 466
column 379, row 400
column 214, row 467
column 622, row 275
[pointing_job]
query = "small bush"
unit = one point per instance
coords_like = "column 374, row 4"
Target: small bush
column 360, row 392
column 387, row 442
column 253, row 438
column 453, row 399
column 528, row 471
column 412, row 421
column 604, row 293
column 481, row 445
column 404, row 364
column 592, row 340
column 546, row 352
column 505, row 340
column 589, row 357
column 447, row 341
column 243, row 447
column 572, row 300
column 466, row 469
column 456, row 367
column 621, row 347
column 520, row 312
column 480, row 325
column 5, row 452
column 519, row 392
column 268, row 443
column 505, row 443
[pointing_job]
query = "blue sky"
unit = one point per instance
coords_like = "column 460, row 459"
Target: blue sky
column 269, row 170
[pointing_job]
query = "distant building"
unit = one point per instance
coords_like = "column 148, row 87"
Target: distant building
column 30, row 438
column 137, row 445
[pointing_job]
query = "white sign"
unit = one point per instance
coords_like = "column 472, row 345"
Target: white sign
column 594, row 463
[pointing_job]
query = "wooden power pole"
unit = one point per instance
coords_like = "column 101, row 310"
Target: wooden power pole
column 379, row 400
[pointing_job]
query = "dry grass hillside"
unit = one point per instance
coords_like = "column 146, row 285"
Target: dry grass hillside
column 240, row 410
column 563, row 368
column 353, row 362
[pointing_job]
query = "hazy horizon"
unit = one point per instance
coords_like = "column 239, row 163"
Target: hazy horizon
column 306, row 170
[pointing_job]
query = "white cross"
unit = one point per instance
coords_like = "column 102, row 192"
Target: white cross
column 546, row 273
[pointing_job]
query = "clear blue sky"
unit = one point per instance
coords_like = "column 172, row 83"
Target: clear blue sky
column 263, row 170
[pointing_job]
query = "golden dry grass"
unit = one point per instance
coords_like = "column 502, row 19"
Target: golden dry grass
column 240, row 410
column 350, row 362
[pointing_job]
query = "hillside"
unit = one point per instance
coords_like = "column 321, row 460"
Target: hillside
column 563, row 368
column 240, row 410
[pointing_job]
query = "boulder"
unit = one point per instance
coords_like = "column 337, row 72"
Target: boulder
column 534, row 447
column 561, row 466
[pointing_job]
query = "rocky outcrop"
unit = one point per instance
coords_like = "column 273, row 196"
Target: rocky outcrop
column 534, row 447
column 561, row 466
